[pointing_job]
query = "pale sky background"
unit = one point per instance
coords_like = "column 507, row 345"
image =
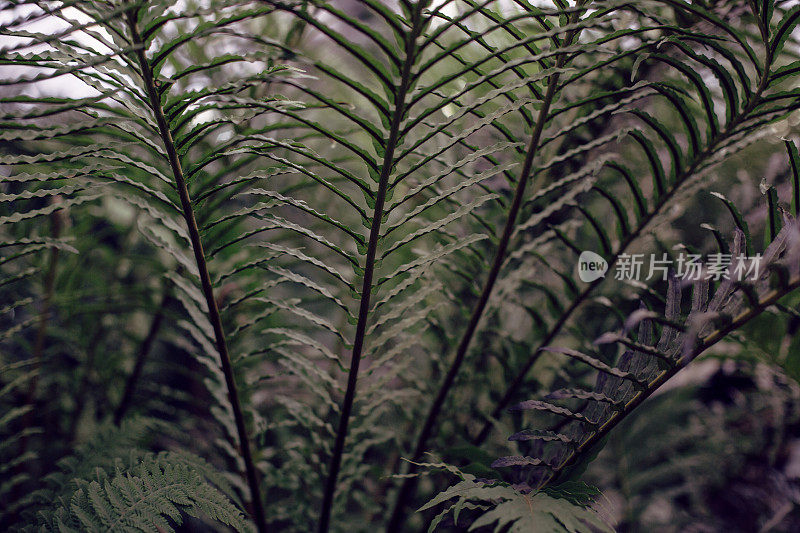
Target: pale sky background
column 68, row 85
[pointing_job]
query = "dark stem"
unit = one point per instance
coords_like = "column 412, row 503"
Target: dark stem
column 83, row 387
column 409, row 485
column 28, row 419
column 44, row 315
column 205, row 279
column 141, row 357
column 369, row 268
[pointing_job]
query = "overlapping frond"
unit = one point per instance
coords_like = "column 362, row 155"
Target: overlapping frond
column 647, row 358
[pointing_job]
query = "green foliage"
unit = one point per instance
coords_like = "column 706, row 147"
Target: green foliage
column 153, row 493
column 307, row 239
column 507, row 509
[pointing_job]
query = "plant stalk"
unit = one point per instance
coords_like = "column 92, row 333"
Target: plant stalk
column 47, row 301
column 369, row 270
column 202, row 267
column 408, row 487
column 144, row 351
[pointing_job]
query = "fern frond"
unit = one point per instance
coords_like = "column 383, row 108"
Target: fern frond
column 154, row 492
column 505, row 507
column 651, row 362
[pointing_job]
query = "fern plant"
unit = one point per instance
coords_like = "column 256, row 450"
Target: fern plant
column 315, row 238
column 150, row 495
